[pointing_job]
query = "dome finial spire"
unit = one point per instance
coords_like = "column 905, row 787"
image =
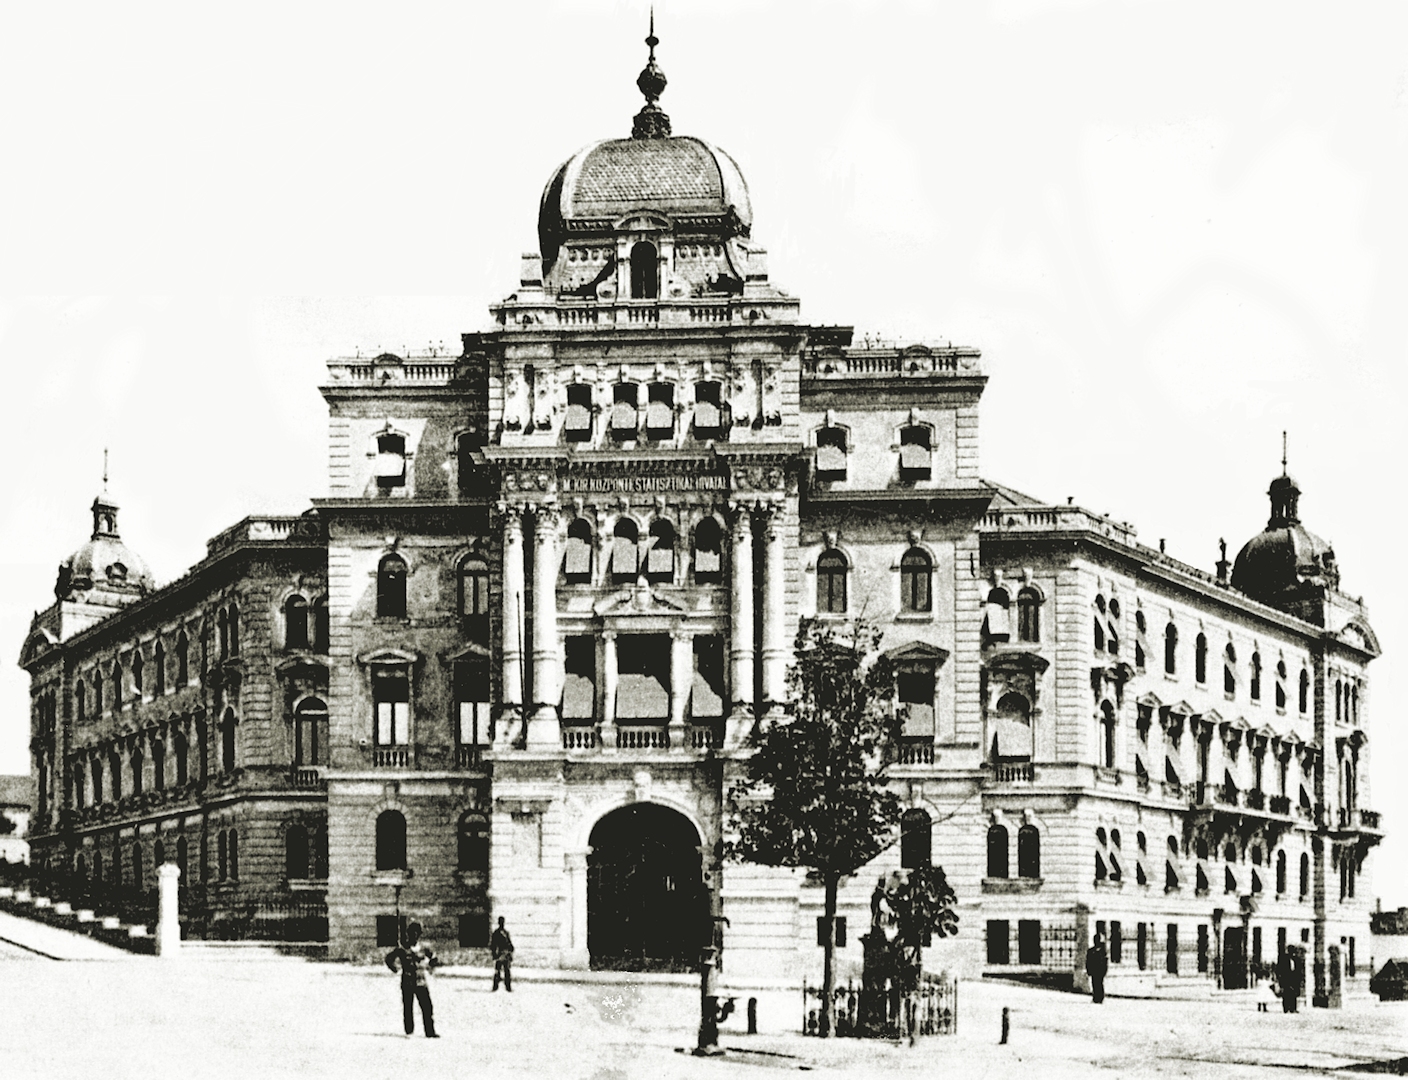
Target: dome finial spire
column 105, row 470
column 1283, row 454
column 651, row 122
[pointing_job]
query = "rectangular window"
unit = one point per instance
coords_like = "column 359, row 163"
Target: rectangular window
column 840, row 931
column 915, row 687
column 1116, row 942
column 1350, row 964
column 1171, row 949
column 577, row 425
column 1029, row 941
column 390, row 467
column 1141, row 946
column 999, row 948
column 579, row 680
column 391, row 693
column 708, row 414
column 474, row 930
column 1202, row 948
column 388, row 931
column 643, row 687
column 472, row 703
column 915, row 455
column 831, row 454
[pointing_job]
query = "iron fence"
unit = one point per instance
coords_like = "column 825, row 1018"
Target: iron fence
column 931, row 1008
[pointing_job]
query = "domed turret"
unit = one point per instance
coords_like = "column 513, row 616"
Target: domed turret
column 1285, row 563
column 680, row 197
column 104, row 570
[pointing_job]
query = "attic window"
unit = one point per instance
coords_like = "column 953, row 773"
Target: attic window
column 390, row 460
column 915, row 454
column 578, row 424
column 708, row 413
column 117, row 572
column 624, row 420
column 660, row 411
column 831, row 454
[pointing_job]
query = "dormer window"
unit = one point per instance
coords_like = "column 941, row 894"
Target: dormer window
column 645, row 271
column 660, row 411
column 708, row 410
column 916, row 455
column 578, row 424
column 831, row 452
column 624, row 420
column 390, row 460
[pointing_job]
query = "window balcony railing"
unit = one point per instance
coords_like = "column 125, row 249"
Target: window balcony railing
column 642, row 738
column 391, row 757
column 704, row 737
column 469, row 757
column 916, row 751
column 1013, row 772
column 1226, row 794
column 1173, row 789
column 579, row 738
column 308, row 777
column 1256, row 800
column 1280, row 804
column 1369, row 819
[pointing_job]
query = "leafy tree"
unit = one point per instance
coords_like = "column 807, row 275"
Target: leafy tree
column 814, row 793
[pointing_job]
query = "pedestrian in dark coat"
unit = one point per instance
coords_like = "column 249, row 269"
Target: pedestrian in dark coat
column 1096, row 964
column 1288, row 981
column 501, row 948
column 414, row 960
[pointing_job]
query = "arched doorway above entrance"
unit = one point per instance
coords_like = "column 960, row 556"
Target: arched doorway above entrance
column 647, row 908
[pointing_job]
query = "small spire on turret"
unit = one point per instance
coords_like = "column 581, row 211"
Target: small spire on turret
column 651, row 122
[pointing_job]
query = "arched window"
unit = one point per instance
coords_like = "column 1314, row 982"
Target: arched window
column 1171, row 649
column 708, row 410
column 997, row 616
column 391, row 840
column 222, row 633
column 391, row 588
column 625, row 551
column 831, row 583
column 159, row 663
column 227, row 742
column 997, row 852
column 234, row 629
column 97, row 781
column 577, row 556
column 137, row 670
column 474, row 597
column 1304, row 875
column 708, row 552
column 137, row 761
column 1028, row 852
column 645, row 271
column 311, row 725
column 295, row 622
column 1281, row 686
column 97, row 867
column 115, row 771
column 97, row 691
column 660, row 555
column 1280, row 872
column 473, row 845
column 916, row 839
column 1099, row 632
column 1200, row 659
column 577, row 425
column 1254, row 687
column 116, row 685
column 1028, row 615
column 296, row 853
column 390, row 464
column 1339, row 694
column 222, row 853
column 1012, row 729
column 183, row 659
column 625, row 400
column 158, row 764
column 234, row 853
column 182, row 747
column 1107, row 741
column 1229, row 670
column 660, row 410
column 916, row 579
column 831, row 454
column 80, row 703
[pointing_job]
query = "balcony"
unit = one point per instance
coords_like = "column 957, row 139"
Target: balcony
column 703, row 737
column 915, row 751
column 1174, row 790
column 469, row 757
column 633, row 737
column 1353, row 820
column 391, row 757
column 579, row 738
column 1227, row 795
column 1013, row 772
column 1281, row 804
column 308, row 778
column 1256, row 800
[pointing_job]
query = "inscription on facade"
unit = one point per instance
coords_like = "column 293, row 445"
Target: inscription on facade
column 644, row 483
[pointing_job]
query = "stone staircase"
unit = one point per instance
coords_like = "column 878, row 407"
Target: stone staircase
column 61, row 915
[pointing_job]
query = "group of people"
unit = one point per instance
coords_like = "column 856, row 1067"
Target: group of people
column 413, row 959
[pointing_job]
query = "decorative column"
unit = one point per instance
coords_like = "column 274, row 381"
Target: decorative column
column 512, row 705
column 543, row 727
column 741, row 632
column 774, row 613
column 681, row 682
column 168, row 922
column 609, row 678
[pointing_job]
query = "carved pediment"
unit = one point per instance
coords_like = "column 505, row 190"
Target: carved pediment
column 644, row 221
column 1017, row 661
column 470, row 651
column 638, row 602
column 301, row 661
column 388, row 657
column 917, row 652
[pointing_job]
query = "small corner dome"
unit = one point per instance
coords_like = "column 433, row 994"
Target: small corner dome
column 684, row 178
column 104, row 562
column 1285, row 555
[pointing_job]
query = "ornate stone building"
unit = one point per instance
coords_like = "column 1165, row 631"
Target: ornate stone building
column 510, row 664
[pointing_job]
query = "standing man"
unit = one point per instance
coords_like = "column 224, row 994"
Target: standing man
column 1287, row 980
column 1096, row 964
column 415, row 960
column 501, row 948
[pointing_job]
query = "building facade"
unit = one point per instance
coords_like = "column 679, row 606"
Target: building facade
column 510, row 665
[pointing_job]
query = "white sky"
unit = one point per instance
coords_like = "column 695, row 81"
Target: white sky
column 1173, row 229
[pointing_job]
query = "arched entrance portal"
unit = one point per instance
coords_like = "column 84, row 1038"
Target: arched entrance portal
column 647, row 909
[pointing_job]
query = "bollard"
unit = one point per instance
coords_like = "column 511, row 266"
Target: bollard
column 1005, row 1026
column 168, row 923
column 752, row 1016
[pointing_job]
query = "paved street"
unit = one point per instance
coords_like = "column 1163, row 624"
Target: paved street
column 274, row 1017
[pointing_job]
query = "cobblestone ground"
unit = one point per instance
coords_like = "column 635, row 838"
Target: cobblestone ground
column 196, row 1018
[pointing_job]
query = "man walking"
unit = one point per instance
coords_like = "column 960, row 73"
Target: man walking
column 1096, row 964
column 501, row 948
column 414, row 960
